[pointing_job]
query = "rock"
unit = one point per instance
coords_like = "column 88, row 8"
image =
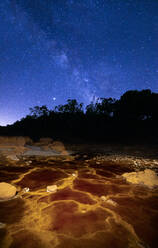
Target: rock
column 146, row 177
column 2, row 225
column 107, row 200
column 111, row 202
column 74, row 175
column 14, row 140
column 83, row 210
column 45, row 148
column 103, row 198
column 28, row 162
column 59, row 147
column 7, row 191
column 12, row 157
column 97, row 162
column 12, row 146
column 25, row 190
column 52, row 188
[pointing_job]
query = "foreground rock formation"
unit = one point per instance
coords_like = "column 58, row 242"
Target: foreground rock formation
column 91, row 205
column 146, row 177
column 7, row 191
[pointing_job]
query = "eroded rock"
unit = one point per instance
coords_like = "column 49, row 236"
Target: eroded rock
column 25, row 190
column 11, row 147
column 146, row 177
column 107, row 200
column 59, row 147
column 2, row 225
column 7, row 191
column 14, row 140
column 52, row 188
column 12, row 157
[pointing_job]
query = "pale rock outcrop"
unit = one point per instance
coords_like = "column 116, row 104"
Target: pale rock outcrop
column 11, row 152
column 52, row 188
column 25, row 190
column 107, row 200
column 146, row 177
column 50, row 146
column 59, row 147
column 12, row 146
column 12, row 157
column 7, row 191
column 111, row 202
column 2, row 225
column 104, row 198
column 14, row 141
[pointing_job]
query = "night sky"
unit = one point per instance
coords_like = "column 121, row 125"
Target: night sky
column 54, row 50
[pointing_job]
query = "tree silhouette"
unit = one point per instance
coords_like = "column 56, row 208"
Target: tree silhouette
column 134, row 115
column 37, row 111
column 135, row 105
column 71, row 107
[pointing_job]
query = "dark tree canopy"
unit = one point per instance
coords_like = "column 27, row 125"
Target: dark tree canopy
column 71, row 107
column 39, row 111
column 135, row 114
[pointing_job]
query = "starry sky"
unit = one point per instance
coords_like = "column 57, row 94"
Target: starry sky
column 54, row 50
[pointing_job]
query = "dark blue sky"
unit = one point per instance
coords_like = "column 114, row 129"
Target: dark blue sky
column 52, row 50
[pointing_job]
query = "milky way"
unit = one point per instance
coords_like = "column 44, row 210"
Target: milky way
column 51, row 51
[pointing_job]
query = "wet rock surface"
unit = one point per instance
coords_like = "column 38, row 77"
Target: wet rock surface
column 93, row 205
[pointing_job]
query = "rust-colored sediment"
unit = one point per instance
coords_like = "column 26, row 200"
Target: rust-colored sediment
column 92, row 208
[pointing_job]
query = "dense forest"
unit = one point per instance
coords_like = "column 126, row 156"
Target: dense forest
column 134, row 117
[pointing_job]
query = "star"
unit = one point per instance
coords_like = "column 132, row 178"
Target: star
column 60, row 50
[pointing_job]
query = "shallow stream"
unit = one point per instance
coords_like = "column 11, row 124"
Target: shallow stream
column 93, row 207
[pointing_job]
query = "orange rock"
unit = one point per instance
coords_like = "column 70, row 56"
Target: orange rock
column 146, row 177
column 59, row 147
column 7, row 191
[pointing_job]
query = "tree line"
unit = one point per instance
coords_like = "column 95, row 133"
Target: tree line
column 133, row 116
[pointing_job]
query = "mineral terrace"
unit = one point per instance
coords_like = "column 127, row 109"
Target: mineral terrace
column 73, row 196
